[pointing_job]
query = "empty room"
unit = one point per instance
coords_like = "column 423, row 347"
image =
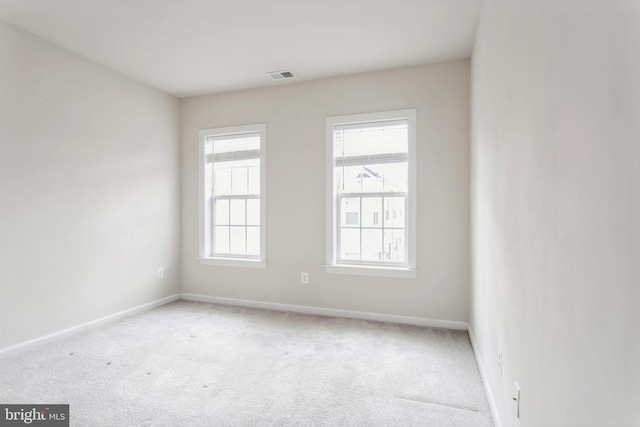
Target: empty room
column 337, row 213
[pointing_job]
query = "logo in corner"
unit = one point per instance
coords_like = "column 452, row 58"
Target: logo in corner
column 34, row 415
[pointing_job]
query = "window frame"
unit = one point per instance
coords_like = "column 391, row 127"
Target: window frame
column 387, row 269
column 206, row 213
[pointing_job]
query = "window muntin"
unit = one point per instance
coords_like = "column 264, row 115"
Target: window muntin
column 233, row 205
column 371, row 190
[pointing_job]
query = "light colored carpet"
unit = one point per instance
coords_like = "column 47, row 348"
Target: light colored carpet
column 198, row 364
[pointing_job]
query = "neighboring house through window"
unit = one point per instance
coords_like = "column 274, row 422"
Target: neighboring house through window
column 371, row 202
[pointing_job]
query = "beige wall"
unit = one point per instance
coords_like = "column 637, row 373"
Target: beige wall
column 556, row 209
column 295, row 117
column 88, row 190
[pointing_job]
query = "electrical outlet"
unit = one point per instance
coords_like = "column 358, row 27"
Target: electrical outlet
column 516, row 398
column 160, row 273
column 499, row 360
column 304, row 277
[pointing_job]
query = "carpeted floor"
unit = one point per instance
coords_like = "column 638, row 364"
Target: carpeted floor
column 198, row 364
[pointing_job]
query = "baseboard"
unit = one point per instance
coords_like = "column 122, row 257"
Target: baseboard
column 27, row 345
column 485, row 381
column 389, row 318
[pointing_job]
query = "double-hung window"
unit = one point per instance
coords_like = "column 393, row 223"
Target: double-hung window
column 232, row 196
column 371, row 202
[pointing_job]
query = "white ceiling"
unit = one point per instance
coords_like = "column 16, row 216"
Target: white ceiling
column 194, row 47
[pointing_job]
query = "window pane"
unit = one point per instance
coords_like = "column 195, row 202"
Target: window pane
column 372, row 138
column 371, row 245
column 208, row 147
column 394, row 212
column 253, row 212
column 221, row 240
column 350, row 211
column 254, row 180
column 238, row 241
column 394, row 245
column 222, row 212
column 208, row 179
column 348, row 181
column 350, row 244
column 239, row 180
column 372, row 211
column 222, row 181
column 396, row 177
column 253, row 240
column 241, row 142
column 238, row 212
column 373, row 178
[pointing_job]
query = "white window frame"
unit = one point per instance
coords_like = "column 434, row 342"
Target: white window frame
column 333, row 265
column 205, row 211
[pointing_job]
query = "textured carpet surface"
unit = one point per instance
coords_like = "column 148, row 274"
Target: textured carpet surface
column 198, row 364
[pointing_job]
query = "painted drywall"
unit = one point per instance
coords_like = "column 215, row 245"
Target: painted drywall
column 295, row 116
column 556, row 209
column 89, row 190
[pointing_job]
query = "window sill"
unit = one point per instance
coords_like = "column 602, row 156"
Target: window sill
column 357, row 270
column 234, row 262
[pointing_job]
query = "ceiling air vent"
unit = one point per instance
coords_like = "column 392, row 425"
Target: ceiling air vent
column 280, row 75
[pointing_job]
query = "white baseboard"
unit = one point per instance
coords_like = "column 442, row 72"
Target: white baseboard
column 485, row 381
column 18, row 348
column 389, row 318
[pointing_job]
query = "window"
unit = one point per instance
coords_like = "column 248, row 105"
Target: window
column 371, row 203
column 232, row 196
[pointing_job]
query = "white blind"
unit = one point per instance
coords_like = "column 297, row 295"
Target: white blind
column 227, row 148
column 371, row 143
